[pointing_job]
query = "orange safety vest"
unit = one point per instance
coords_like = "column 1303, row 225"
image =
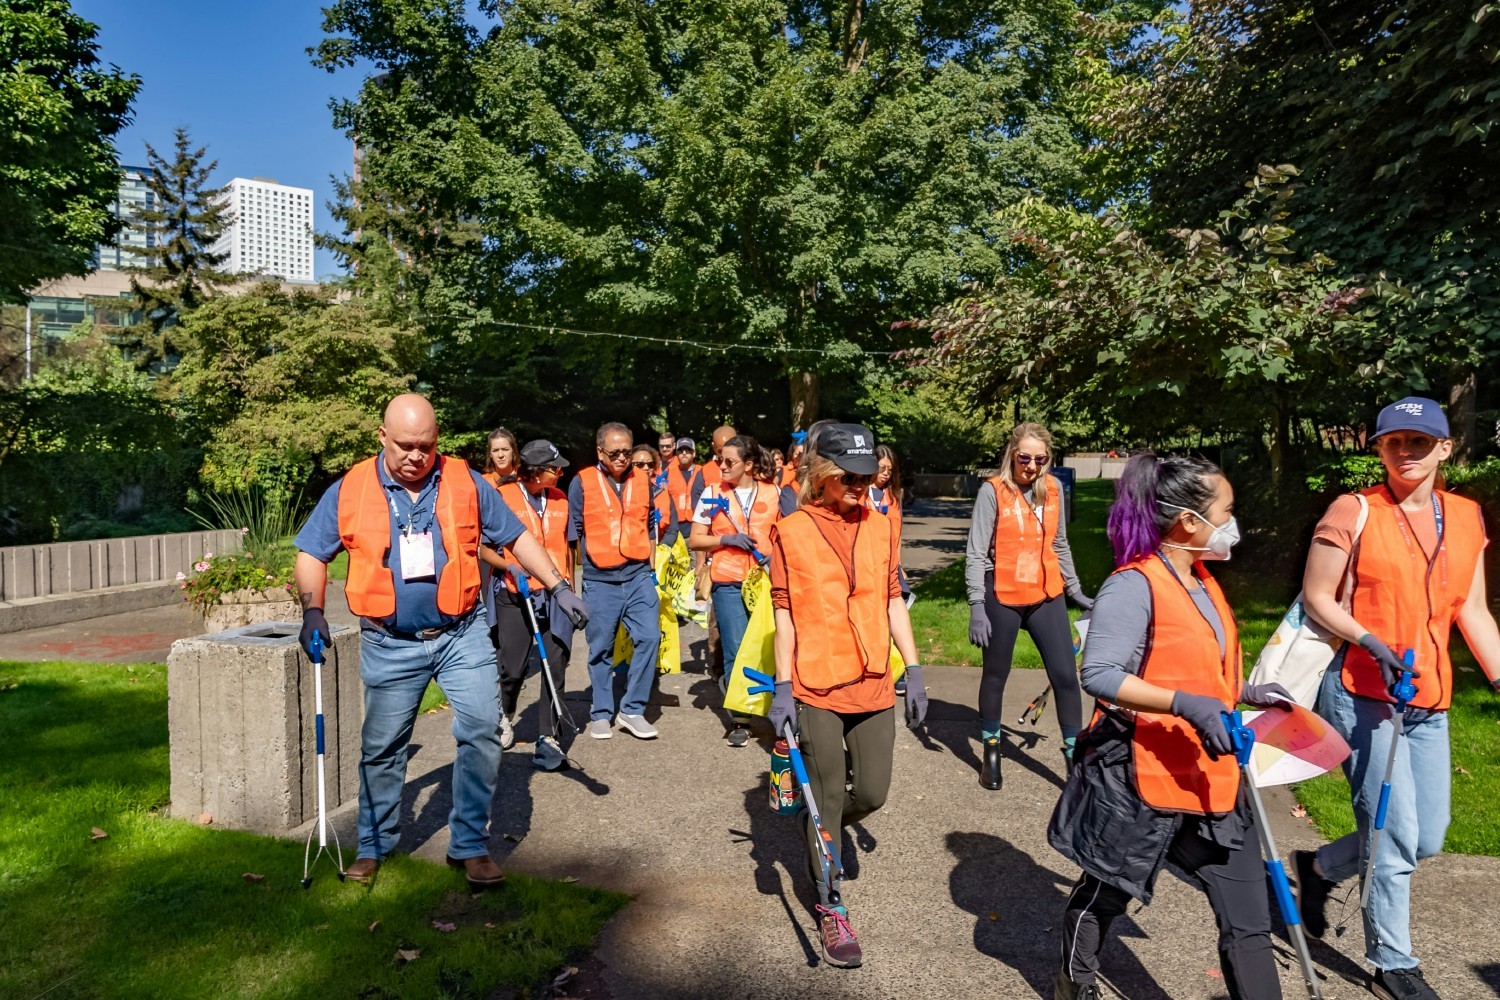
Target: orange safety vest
column 614, row 525
column 680, row 486
column 729, row 564
column 788, row 474
column 1026, row 567
column 365, row 528
column 843, row 625
column 550, row 527
column 1397, row 599
column 1173, row 772
column 713, row 473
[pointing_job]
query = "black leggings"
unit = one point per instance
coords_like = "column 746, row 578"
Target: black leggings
column 1047, row 624
column 516, row 650
column 1235, row 882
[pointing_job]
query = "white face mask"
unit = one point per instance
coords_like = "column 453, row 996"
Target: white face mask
column 1225, row 537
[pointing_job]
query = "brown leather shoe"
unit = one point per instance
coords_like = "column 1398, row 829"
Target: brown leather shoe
column 481, row 871
column 362, row 870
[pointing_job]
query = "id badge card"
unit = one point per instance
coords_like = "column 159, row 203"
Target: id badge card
column 417, row 560
column 1028, row 566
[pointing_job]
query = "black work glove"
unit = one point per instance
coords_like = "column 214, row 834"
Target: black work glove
column 571, row 604
column 1389, row 663
column 738, row 540
column 916, row 697
column 1081, row 599
column 313, row 620
column 1206, row 715
column 979, row 626
column 1267, row 696
column 783, row 709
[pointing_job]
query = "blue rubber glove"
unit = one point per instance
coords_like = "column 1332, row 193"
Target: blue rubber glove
column 979, row 626
column 1267, row 696
column 570, row 603
column 1205, row 715
column 738, row 540
column 783, row 709
column 916, row 697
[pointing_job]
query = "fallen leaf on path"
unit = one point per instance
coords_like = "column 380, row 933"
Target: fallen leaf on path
column 1299, row 811
column 204, row 819
column 438, row 925
column 563, row 977
column 994, row 915
column 374, row 927
column 574, row 878
column 252, row 877
column 1214, row 973
column 404, row 955
column 97, row 834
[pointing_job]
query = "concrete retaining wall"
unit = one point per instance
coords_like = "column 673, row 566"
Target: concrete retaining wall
column 70, row 581
column 945, row 485
column 240, row 722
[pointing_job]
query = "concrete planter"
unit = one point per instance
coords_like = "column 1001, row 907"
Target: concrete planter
column 241, row 726
column 250, row 607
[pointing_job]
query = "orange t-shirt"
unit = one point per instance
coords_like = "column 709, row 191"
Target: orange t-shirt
column 1337, row 525
column 872, row 694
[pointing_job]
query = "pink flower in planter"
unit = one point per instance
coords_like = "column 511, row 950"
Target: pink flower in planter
column 208, row 555
column 244, row 531
column 199, row 567
column 181, row 577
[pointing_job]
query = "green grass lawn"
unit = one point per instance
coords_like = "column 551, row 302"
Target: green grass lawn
column 160, row 908
column 940, row 619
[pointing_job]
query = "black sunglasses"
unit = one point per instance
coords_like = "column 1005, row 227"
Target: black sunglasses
column 854, row 479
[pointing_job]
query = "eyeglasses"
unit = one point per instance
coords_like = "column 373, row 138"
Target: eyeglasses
column 617, row 453
column 1037, row 459
column 642, row 465
column 853, row 479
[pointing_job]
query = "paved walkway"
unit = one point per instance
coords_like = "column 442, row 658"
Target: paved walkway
column 953, row 889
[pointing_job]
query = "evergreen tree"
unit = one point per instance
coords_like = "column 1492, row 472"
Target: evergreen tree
column 179, row 268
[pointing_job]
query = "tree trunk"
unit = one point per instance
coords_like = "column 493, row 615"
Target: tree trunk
column 1462, row 388
column 1280, row 438
column 805, row 388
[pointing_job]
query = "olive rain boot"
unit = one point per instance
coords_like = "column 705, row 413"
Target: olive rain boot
column 989, row 771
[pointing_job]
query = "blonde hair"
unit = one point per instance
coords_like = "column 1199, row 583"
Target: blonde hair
column 1018, row 434
column 811, row 473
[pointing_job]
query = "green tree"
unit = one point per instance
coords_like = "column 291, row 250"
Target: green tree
column 287, row 388
column 179, row 268
column 793, row 175
column 58, row 170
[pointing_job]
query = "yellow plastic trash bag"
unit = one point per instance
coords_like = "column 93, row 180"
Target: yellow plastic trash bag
column 674, row 574
column 668, row 654
column 755, row 664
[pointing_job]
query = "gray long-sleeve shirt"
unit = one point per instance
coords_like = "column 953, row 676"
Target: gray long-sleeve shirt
column 981, row 548
column 1121, row 619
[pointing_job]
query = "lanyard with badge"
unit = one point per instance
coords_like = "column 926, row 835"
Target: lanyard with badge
column 418, row 560
column 1414, row 545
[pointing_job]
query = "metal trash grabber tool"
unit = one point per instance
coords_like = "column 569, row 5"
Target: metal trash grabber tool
column 829, row 868
column 1033, row 711
column 1242, row 738
column 1403, row 692
column 541, row 650
column 309, row 860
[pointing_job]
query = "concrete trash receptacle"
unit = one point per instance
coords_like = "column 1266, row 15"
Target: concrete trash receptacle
column 241, row 731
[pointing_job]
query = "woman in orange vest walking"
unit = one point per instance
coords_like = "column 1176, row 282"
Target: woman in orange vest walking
column 733, row 525
column 668, row 524
column 1417, row 568
column 543, row 509
column 1156, row 779
column 838, row 608
column 1019, row 566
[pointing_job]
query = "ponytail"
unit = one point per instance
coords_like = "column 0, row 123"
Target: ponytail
column 1150, row 494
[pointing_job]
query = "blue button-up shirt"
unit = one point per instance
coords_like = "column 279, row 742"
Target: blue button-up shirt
column 416, row 600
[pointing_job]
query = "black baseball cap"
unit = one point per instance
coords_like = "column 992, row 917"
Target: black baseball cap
column 1413, row 414
column 849, row 446
column 541, row 453
column 686, row 444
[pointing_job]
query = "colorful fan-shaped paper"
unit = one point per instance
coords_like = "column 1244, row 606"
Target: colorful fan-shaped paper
column 1292, row 746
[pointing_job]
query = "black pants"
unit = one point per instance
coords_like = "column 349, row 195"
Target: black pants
column 1047, row 624
column 516, row 650
column 1235, row 882
column 836, row 748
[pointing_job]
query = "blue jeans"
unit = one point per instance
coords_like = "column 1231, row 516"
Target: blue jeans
column 634, row 604
column 732, row 619
column 395, row 673
column 1415, row 821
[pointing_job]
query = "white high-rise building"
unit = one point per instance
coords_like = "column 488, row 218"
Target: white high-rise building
column 272, row 231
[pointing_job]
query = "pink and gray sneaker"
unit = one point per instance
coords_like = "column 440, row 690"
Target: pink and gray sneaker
column 840, row 945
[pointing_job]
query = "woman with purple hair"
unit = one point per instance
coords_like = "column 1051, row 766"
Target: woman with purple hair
column 1156, row 779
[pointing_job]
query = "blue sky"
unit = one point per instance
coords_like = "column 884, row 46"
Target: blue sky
column 236, row 74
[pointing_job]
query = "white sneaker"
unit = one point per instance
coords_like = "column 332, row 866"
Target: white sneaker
column 599, row 729
column 507, row 732
column 637, row 726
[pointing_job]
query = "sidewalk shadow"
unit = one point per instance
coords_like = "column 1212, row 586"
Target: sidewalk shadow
column 953, row 732
column 775, row 838
column 993, row 876
column 1489, row 975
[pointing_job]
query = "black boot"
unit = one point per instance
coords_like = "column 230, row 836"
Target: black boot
column 989, row 773
column 1064, row 988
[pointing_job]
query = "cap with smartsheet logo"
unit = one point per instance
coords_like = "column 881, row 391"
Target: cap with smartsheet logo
column 849, row 446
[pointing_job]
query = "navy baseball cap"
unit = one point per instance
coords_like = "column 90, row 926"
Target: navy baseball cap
column 849, row 446
column 541, row 453
column 686, row 444
column 1413, row 414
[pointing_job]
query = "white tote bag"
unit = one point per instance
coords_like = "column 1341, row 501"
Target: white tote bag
column 1300, row 650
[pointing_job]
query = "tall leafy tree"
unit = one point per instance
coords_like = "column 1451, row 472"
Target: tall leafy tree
column 179, row 268
column 58, row 168
column 790, row 174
